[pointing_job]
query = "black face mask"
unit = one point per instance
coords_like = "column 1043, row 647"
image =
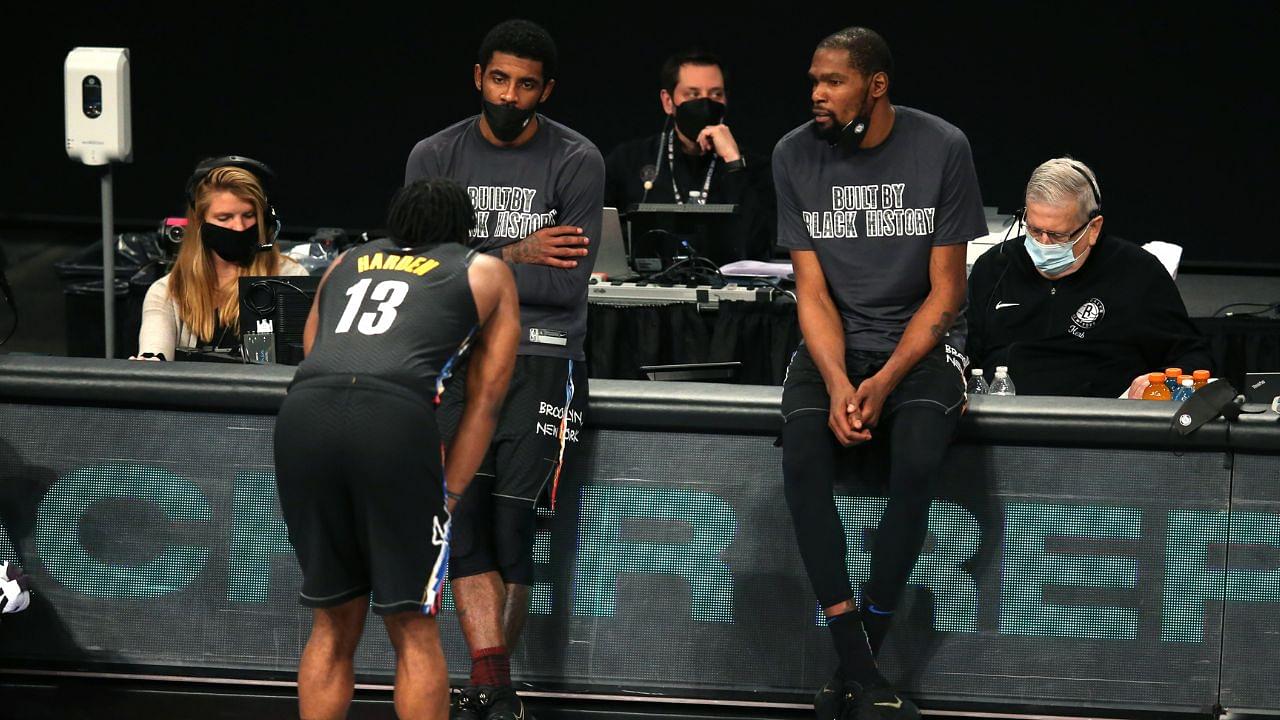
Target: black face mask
column 234, row 246
column 692, row 116
column 848, row 138
column 507, row 121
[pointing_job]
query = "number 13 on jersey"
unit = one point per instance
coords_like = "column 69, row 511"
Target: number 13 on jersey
column 388, row 294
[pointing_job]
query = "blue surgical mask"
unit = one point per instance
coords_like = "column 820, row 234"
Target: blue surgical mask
column 1051, row 259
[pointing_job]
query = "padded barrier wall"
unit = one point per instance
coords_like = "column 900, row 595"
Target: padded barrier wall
column 1075, row 557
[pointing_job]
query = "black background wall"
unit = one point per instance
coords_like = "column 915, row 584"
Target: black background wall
column 1172, row 108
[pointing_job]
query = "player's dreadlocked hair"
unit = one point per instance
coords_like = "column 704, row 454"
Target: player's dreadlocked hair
column 429, row 212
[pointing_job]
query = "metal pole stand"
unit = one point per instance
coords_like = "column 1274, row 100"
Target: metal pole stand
column 108, row 266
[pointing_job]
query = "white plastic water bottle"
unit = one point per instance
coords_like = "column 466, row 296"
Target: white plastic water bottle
column 1002, row 384
column 977, row 384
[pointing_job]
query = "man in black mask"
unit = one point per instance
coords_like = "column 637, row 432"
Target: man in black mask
column 536, row 189
column 697, row 160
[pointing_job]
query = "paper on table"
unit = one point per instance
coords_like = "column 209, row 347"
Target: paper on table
column 1168, row 254
column 757, row 268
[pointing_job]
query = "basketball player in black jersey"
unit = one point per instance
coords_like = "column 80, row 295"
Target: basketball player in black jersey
column 358, row 457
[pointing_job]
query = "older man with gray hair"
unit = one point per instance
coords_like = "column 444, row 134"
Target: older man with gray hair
column 1072, row 311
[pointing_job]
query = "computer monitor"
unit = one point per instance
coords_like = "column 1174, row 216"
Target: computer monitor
column 284, row 301
column 660, row 232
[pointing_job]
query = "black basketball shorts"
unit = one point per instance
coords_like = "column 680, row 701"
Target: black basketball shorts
column 539, row 429
column 362, row 492
column 936, row 381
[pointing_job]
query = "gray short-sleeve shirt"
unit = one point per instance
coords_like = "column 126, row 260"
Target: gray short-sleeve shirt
column 872, row 218
column 557, row 178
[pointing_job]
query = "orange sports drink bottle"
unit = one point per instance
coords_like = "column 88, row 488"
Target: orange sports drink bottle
column 1200, row 378
column 1157, row 390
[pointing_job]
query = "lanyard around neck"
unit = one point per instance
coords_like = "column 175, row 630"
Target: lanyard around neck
column 701, row 199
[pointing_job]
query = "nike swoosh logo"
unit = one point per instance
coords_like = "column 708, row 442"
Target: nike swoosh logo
column 1005, row 305
column 895, row 705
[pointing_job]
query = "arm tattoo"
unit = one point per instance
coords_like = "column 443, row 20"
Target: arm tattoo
column 518, row 252
column 944, row 324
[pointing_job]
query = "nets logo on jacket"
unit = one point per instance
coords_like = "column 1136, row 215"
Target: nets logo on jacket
column 1086, row 317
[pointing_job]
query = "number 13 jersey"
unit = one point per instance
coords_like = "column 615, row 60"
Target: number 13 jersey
column 393, row 313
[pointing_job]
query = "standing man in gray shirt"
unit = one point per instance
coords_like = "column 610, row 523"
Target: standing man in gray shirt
column 537, row 189
column 876, row 202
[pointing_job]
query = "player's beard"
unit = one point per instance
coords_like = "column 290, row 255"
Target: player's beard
column 849, row 136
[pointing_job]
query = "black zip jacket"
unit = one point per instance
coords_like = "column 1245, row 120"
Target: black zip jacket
column 1088, row 334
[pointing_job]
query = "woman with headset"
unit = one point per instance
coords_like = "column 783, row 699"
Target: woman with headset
column 231, row 229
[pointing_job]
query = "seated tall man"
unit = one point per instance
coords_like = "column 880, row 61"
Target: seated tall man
column 697, row 159
column 537, row 188
column 876, row 202
column 1071, row 311
column 358, row 459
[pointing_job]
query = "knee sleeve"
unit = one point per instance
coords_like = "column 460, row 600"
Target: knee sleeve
column 471, row 550
column 514, row 528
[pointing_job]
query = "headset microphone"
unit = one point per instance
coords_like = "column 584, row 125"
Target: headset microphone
column 265, row 175
column 648, row 174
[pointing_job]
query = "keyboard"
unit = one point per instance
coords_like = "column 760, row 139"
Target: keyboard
column 645, row 293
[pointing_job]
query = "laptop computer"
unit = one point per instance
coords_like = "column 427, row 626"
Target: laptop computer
column 611, row 256
column 698, row 372
column 1261, row 387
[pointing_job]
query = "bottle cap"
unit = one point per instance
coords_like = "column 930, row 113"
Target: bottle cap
column 1173, row 372
column 1002, row 369
column 977, row 372
column 1186, row 381
column 1183, row 378
column 1155, row 377
column 1200, row 375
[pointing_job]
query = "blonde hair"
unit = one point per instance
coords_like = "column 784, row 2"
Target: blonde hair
column 193, row 281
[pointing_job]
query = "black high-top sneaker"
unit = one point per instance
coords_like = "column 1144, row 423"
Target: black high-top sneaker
column 501, row 703
column 828, row 703
column 463, row 704
column 877, row 703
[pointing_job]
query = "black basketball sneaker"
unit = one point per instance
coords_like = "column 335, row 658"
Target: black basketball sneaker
column 500, row 703
column 828, row 704
column 463, row 704
column 840, row 700
column 878, row 703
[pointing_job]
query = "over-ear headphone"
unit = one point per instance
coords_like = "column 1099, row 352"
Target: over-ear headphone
column 1093, row 186
column 259, row 170
column 1020, row 215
